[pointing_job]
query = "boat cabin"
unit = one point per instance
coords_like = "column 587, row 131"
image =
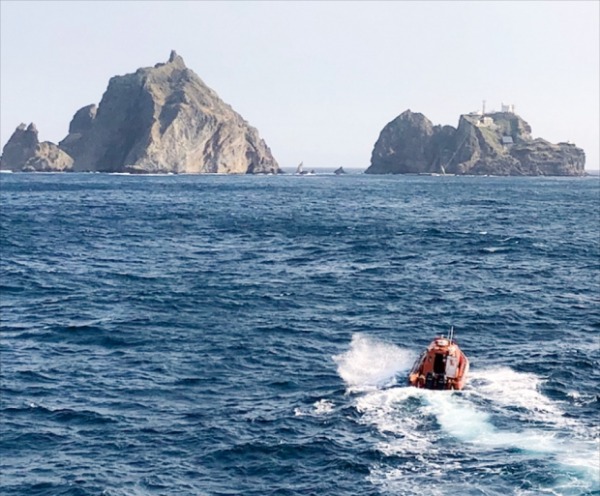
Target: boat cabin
column 441, row 366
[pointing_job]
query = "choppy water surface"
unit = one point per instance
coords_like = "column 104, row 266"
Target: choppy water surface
column 250, row 335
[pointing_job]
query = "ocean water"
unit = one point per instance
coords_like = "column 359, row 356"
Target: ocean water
column 215, row 335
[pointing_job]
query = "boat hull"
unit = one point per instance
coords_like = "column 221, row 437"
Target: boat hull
column 442, row 365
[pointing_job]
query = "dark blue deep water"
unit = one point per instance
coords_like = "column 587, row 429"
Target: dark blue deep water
column 216, row 335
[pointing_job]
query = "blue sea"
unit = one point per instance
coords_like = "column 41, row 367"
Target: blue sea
column 251, row 335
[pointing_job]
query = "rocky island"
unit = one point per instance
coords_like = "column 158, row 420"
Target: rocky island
column 495, row 143
column 160, row 119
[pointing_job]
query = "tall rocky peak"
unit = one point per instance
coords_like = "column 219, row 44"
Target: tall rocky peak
column 176, row 59
column 20, row 147
column 24, row 152
column 165, row 119
column 497, row 143
column 403, row 145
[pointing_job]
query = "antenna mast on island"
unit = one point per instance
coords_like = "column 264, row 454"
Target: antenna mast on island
column 483, row 108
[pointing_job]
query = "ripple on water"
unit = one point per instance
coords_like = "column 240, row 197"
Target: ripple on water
column 251, row 335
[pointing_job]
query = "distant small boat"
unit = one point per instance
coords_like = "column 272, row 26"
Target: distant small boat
column 301, row 172
column 442, row 365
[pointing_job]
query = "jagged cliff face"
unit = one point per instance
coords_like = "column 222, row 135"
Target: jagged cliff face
column 165, row 119
column 80, row 124
column 499, row 143
column 24, row 153
column 159, row 119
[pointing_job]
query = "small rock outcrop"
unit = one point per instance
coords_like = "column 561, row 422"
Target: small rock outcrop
column 164, row 119
column 23, row 152
column 497, row 143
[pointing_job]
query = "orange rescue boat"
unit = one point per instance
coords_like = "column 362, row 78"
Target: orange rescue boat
column 442, row 365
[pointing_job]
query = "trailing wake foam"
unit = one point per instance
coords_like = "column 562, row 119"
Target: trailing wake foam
column 500, row 411
column 370, row 364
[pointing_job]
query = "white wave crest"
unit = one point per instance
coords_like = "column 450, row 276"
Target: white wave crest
column 370, row 363
column 323, row 407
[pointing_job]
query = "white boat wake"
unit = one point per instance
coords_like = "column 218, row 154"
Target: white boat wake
column 501, row 413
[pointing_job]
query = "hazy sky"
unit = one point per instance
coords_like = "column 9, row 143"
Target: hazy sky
column 319, row 80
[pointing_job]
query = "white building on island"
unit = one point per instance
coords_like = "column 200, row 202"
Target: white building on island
column 510, row 108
